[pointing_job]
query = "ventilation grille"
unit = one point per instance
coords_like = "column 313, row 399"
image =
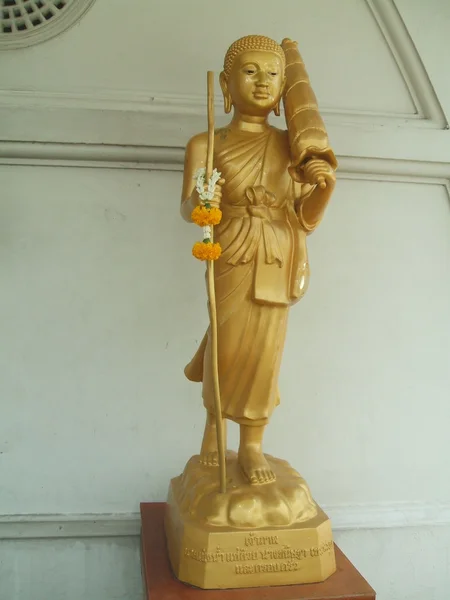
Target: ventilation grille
column 25, row 22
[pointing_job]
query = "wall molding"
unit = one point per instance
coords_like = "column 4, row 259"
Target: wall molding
column 388, row 515
column 172, row 158
column 15, row 527
column 343, row 517
column 89, row 126
column 428, row 111
column 409, row 63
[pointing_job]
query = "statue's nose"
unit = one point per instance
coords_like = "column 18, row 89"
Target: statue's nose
column 262, row 79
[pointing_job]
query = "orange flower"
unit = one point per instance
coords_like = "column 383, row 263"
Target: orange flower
column 206, row 216
column 206, row 251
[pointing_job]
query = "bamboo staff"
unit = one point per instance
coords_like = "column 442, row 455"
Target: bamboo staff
column 212, row 298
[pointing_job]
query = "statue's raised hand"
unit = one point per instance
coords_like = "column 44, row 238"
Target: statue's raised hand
column 318, row 172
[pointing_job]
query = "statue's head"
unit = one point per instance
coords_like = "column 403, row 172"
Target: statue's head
column 253, row 78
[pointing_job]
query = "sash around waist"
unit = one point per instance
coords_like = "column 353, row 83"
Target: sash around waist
column 231, row 211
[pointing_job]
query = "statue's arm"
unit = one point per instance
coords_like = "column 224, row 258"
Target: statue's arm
column 195, row 158
column 311, row 200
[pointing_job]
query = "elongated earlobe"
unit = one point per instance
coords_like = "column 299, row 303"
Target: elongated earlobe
column 227, row 101
column 227, row 104
column 277, row 109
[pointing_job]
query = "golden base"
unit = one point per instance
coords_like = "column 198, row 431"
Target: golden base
column 217, row 557
column 283, row 502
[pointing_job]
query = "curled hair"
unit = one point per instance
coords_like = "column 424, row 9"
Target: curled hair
column 251, row 42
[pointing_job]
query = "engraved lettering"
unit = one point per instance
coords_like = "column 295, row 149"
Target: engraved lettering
column 261, row 540
column 241, row 554
column 318, row 551
column 266, row 568
column 286, row 552
column 268, row 555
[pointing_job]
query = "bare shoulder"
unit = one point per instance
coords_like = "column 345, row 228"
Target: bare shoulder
column 198, row 143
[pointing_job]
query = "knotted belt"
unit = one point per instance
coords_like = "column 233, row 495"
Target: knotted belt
column 261, row 213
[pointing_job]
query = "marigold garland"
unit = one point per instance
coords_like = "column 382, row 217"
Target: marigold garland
column 206, row 251
column 201, row 215
column 206, row 216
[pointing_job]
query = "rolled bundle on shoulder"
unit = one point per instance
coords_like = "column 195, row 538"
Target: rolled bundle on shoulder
column 307, row 134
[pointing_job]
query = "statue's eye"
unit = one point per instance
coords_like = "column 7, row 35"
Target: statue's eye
column 250, row 71
column 273, row 73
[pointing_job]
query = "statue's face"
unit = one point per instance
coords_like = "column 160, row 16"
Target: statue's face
column 256, row 82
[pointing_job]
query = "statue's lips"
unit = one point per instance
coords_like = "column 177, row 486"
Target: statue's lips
column 261, row 95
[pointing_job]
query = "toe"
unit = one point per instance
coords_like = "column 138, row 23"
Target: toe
column 253, row 479
column 209, row 460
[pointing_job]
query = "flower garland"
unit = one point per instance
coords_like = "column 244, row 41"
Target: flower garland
column 206, row 216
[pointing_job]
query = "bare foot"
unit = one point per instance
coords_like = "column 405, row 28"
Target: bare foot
column 255, row 466
column 209, row 455
column 209, row 459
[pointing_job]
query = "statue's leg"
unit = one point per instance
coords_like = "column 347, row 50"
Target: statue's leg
column 209, row 454
column 251, row 457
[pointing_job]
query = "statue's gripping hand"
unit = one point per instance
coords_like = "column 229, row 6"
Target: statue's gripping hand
column 216, row 199
column 317, row 171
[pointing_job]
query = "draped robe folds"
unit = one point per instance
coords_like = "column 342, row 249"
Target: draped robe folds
column 263, row 270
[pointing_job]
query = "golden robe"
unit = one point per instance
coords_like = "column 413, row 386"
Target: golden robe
column 262, row 271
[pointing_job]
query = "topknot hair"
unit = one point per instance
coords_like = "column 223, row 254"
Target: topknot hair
column 251, row 42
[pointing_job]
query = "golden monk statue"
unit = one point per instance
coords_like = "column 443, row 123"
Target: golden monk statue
column 273, row 191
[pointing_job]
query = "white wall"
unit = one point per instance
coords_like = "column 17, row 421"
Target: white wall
column 71, row 569
column 102, row 303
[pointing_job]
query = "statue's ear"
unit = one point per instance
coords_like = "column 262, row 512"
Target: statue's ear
column 277, row 108
column 227, row 101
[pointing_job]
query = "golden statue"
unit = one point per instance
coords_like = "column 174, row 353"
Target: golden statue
column 262, row 526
